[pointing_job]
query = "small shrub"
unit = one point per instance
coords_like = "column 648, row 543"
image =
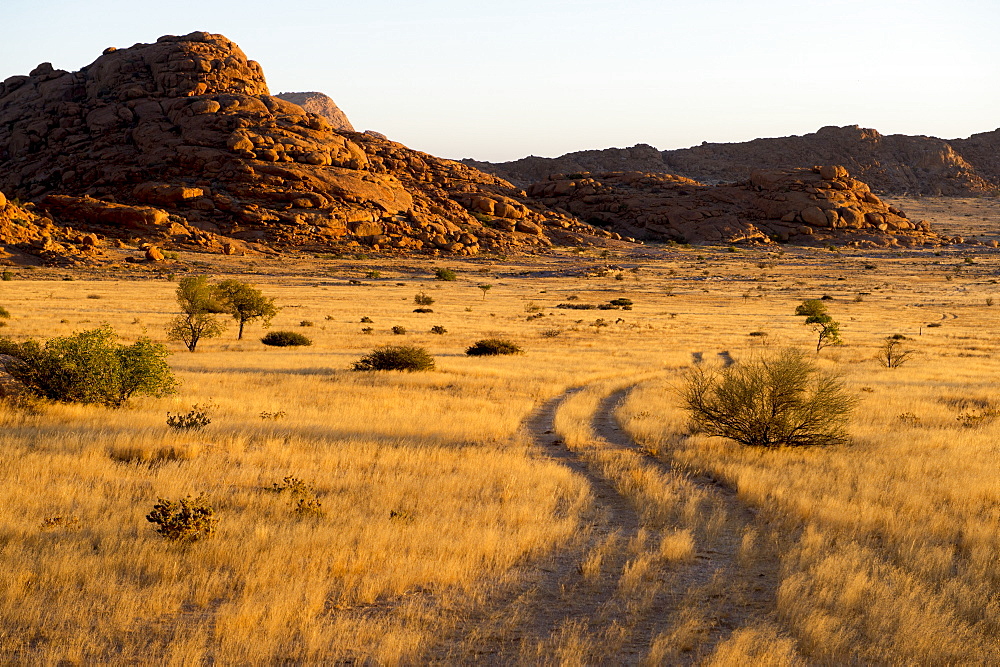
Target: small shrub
column 395, row 358
column 367, row 330
column 307, row 323
column 438, row 329
column 974, row 419
column 757, row 333
column 769, row 401
column 64, row 522
column 187, row 520
column 7, row 275
column 621, row 303
column 273, row 416
column 532, row 307
column 422, row 299
column 551, row 333
column 399, row 330
column 94, row 296
column 310, row 506
column 442, row 273
column 4, row 313
column 294, row 486
column 285, row 339
column 197, row 418
column 492, row 347
column 372, row 275
column 933, row 325
column 423, row 310
column 366, row 320
column 576, row 306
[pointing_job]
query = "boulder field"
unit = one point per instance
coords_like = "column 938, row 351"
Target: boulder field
column 180, row 142
column 820, row 205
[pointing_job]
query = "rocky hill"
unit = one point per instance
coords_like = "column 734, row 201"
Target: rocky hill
column 321, row 105
column 816, row 206
column 180, row 141
column 893, row 164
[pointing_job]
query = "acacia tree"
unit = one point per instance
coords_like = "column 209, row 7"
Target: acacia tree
column 199, row 305
column 245, row 303
column 826, row 328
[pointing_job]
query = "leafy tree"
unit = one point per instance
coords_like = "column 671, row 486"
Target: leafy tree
column 245, row 303
column 90, row 367
column 199, row 305
column 486, row 288
column 772, row 400
column 826, row 328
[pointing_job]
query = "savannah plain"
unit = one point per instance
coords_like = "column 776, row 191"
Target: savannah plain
column 545, row 508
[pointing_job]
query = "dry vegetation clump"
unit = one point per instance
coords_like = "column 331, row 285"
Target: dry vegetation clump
column 487, row 347
column 396, row 358
column 769, row 400
column 285, row 339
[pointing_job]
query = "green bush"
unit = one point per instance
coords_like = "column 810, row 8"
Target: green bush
column 772, row 400
column 492, row 347
column 438, row 329
column 186, row 520
column 4, row 314
column 422, row 299
column 285, row 339
column 442, row 273
column 396, row 358
column 90, row 367
column 399, row 330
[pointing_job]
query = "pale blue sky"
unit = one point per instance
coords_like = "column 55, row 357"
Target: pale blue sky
column 498, row 81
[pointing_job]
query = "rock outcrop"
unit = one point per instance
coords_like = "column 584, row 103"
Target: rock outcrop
column 321, row 105
column 180, row 142
column 895, row 164
column 820, row 205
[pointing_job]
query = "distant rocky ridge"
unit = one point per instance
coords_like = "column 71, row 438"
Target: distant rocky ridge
column 893, row 164
column 816, row 206
column 321, row 105
column 180, row 142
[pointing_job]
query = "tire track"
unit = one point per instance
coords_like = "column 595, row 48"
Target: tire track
column 553, row 594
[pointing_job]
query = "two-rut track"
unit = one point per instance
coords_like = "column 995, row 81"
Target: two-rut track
column 568, row 609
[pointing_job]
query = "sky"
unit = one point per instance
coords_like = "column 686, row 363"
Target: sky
column 501, row 80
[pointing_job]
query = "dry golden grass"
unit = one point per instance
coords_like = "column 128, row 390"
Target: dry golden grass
column 433, row 502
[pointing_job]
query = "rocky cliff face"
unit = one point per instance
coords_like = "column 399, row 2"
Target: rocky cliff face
column 181, row 140
column 321, row 105
column 894, row 164
column 814, row 206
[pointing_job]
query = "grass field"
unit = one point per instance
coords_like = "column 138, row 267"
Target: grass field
column 436, row 504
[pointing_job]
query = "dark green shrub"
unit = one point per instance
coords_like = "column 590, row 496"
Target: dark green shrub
column 187, row 520
column 399, row 330
column 285, row 339
column 307, row 323
column 7, row 275
column 367, row 330
column 395, row 358
column 4, row 314
column 366, row 320
column 422, row 299
column 491, row 347
column 423, row 310
column 772, row 400
column 442, row 273
column 621, row 303
column 90, row 367
column 576, row 306
column 438, row 329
